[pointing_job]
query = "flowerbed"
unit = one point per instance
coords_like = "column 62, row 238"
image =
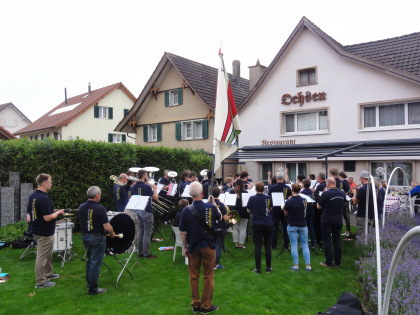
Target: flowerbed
column 405, row 298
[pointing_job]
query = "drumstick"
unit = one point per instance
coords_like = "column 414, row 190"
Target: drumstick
column 121, row 235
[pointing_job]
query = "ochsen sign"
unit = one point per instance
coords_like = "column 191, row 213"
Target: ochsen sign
column 300, row 98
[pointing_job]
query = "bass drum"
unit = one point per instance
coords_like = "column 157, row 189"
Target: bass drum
column 122, row 224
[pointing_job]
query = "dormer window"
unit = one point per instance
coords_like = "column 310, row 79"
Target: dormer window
column 307, row 76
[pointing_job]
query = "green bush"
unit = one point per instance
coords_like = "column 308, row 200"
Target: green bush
column 75, row 165
column 13, row 231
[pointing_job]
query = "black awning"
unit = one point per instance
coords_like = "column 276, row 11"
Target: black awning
column 383, row 148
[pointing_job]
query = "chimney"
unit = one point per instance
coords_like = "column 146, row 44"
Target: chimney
column 89, row 88
column 65, row 96
column 255, row 73
column 236, row 66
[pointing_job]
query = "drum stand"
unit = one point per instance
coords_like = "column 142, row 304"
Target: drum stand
column 123, row 262
column 31, row 249
column 67, row 254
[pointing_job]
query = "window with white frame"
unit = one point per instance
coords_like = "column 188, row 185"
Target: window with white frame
column 307, row 76
column 400, row 114
column 192, row 130
column 295, row 169
column 116, row 138
column 173, row 98
column 7, row 122
column 103, row 112
column 306, row 121
column 383, row 170
column 152, row 133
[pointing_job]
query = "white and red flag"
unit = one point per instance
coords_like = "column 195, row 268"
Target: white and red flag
column 226, row 122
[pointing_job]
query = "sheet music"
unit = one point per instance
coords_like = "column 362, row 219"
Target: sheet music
column 230, row 199
column 245, row 198
column 313, row 183
column 205, row 200
column 278, row 199
column 159, row 187
column 308, row 199
column 222, row 198
column 348, row 198
column 186, row 192
column 252, row 192
column 137, row 202
column 172, row 189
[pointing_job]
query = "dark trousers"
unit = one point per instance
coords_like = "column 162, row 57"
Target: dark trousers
column 335, row 230
column 311, row 229
column 220, row 240
column 203, row 256
column 95, row 250
column 278, row 218
column 262, row 232
column 346, row 215
column 317, row 226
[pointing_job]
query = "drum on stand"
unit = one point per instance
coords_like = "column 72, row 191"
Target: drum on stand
column 63, row 237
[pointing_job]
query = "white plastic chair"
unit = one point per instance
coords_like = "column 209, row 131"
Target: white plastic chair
column 413, row 205
column 178, row 241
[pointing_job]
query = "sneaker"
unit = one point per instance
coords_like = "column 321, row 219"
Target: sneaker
column 213, row 308
column 45, row 285
column 53, row 276
column 219, row 267
column 268, row 270
column 257, row 270
column 196, row 310
column 294, row 268
column 345, row 234
column 308, row 269
column 150, row 257
column 325, row 265
column 100, row 291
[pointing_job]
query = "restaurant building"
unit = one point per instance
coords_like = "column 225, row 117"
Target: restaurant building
column 320, row 104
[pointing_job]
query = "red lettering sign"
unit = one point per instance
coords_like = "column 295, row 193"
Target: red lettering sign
column 300, row 98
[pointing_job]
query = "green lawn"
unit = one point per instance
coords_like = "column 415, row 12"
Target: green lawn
column 161, row 286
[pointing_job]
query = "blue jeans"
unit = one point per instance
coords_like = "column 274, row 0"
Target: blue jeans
column 95, row 250
column 301, row 232
column 220, row 240
column 145, row 220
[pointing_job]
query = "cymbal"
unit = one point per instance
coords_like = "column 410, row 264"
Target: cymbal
column 68, row 214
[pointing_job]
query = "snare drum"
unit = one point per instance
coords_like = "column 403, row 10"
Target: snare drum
column 60, row 236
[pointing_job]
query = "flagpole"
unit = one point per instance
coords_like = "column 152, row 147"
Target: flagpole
column 214, row 158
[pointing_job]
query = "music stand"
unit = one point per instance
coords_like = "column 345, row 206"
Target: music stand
column 31, row 249
column 121, row 224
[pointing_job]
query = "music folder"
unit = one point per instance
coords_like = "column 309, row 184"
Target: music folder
column 308, row 199
column 230, row 199
column 245, row 198
column 186, row 192
column 137, row 202
column 278, row 199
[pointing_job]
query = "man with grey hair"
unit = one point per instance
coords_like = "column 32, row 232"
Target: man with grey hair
column 360, row 200
column 197, row 222
column 94, row 223
column 277, row 214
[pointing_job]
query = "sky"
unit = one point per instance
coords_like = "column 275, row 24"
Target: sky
column 46, row 46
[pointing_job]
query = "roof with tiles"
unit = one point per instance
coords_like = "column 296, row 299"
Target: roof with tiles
column 402, row 52
column 203, row 80
column 63, row 114
column 6, row 135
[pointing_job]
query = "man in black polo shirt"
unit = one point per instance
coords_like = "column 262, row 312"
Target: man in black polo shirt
column 42, row 217
column 94, row 222
column 277, row 214
column 145, row 217
column 121, row 193
column 331, row 202
column 200, row 249
column 319, row 189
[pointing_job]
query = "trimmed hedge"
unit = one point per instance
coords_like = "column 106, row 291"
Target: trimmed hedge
column 75, row 165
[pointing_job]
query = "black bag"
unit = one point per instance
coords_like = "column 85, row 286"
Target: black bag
column 347, row 304
column 200, row 220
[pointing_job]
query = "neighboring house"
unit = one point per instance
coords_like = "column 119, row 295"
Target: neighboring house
column 320, row 104
column 90, row 116
column 175, row 108
column 5, row 135
column 11, row 118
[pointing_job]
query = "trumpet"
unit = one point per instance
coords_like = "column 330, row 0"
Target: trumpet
column 116, row 180
column 351, row 191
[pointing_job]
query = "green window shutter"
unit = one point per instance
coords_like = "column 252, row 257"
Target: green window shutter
column 96, row 111
column 126, row 111
column 205, row 129
column 179, row 96
column 166, row 98
column 110, row 137
column 123, row 138
column 110, row 113
column 159, row 132
column 145, row 133
column 178, row 131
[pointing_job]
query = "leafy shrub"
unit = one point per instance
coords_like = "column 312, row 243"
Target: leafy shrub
column 13, row 231
column 75, row 165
